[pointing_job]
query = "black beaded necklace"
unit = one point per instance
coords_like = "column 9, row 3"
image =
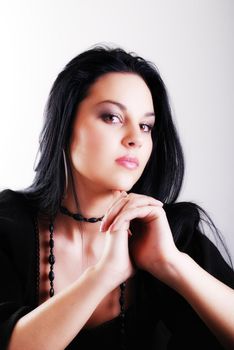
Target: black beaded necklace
column 51, row 259
column 78, row 216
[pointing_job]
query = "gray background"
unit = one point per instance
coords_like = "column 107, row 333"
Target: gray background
column 192, row 44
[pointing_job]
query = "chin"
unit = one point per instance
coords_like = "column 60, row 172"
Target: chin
column 117, row 181
column 122, row 185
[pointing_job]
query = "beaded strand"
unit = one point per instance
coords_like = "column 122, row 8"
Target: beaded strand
column 122, row 315
column 79, row 217
column 51, row 260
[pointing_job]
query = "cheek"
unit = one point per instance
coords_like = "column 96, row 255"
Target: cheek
column 90, row 144
column 97, row 143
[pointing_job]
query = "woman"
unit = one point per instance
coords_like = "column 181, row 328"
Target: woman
column 97, row 252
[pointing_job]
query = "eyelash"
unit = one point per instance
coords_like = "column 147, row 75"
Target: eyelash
column 104, row 116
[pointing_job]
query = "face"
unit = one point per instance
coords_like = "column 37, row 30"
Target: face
column 103, row 132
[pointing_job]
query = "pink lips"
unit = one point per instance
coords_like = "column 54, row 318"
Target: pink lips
column 128, row 162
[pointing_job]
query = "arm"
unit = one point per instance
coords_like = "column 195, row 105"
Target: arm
column 153, row 249
column 210, row 298
column 54, row 324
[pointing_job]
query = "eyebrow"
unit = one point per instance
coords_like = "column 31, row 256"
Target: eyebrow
column 123, row 107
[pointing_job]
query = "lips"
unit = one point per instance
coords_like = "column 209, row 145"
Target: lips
column 128, row 162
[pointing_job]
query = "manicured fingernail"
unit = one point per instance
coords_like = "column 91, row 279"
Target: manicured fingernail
column 101, row 228
column 123, row 194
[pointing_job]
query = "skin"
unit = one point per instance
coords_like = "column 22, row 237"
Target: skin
column 101, row 185
column 98, row 140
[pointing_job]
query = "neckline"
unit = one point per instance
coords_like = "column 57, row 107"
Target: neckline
column 37, row 296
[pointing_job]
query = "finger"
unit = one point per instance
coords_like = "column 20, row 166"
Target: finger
column 119, row 195
column 118, row 206
column 122, row 221
column 136, row 195
column 126, row 204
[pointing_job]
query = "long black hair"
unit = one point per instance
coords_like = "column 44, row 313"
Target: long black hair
column 162, row 177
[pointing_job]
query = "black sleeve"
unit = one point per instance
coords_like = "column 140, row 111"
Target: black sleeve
column 12, row 307
column 188, row 330
column 17, row 264
column 185, row 329
column 207, row 255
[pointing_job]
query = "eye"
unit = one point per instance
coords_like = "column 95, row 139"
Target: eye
column 111, row 118
column 147, row 127
column 115, row 119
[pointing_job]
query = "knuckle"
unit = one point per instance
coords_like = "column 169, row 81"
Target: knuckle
column 161, row 211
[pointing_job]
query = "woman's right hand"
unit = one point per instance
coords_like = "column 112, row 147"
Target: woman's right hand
column 115, row 261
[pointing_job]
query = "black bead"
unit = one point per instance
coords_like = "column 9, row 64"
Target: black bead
column 92, row 220
column 123, row 286
column 64, row 210
column 122, row 315
column 78, row 217
column 51, row 292
column 51, row 259
column 51, row 275
column 121, row 300
column 51, row 243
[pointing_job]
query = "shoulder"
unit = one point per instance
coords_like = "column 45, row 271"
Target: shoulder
column 13, row 203
column 18, row 239
column 183, row 218
column 9, row 196
column 16, row 217
column 189, row 211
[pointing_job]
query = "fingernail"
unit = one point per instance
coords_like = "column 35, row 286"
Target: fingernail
column 123, row 193
column 101, row 228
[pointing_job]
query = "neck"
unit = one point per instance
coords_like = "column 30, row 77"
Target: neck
column 93, row 201
column 90, row 203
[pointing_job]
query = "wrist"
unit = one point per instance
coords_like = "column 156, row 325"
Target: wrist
column 110, row 276
column 170, row 270
column 104, row 277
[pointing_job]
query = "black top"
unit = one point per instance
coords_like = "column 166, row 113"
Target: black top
column 159, row 318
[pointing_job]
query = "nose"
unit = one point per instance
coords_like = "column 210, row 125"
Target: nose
column 132, row 138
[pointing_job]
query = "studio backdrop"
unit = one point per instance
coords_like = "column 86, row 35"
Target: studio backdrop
column 191, row 43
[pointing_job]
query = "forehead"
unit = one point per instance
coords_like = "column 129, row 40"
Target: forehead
column 127, row 88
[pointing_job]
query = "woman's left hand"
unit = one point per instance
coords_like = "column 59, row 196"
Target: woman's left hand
column 152, row 248
column 151, row 242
